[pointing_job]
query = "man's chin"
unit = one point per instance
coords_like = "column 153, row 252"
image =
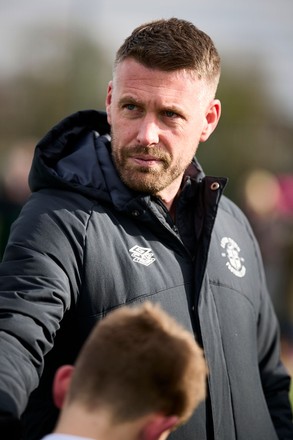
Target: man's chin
column 143, row 182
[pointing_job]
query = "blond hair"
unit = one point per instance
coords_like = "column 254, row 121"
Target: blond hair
column 139, row 360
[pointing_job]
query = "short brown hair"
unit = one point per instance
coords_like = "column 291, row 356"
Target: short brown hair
column 139, row 360
column 172, row 44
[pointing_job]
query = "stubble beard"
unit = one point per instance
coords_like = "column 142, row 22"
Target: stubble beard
column 145, row 179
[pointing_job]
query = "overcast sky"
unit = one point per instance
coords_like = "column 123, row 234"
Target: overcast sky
column 243, row 30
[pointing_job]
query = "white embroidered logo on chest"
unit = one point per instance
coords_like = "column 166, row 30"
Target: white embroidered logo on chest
column 142, row 255
column 232, row 251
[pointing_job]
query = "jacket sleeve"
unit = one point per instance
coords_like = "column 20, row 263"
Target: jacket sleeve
column 39, row 279
column 275, row 379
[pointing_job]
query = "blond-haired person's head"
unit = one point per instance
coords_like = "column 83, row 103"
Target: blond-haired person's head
column 139, row 375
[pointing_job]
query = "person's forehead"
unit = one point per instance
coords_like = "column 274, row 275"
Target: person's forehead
column 130, row 65
column 141, row 82
column 132, row 75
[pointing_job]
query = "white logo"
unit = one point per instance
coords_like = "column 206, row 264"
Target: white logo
column 142, row 255
column 235, row 262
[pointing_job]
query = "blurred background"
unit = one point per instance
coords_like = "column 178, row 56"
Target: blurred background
column 56, row 58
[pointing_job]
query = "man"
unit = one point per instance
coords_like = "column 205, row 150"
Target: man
column 121, row 212
column 138, row 376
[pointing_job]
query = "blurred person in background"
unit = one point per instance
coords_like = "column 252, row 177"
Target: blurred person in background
column 268, row 202
column 14, row 188
column 121, row 212
column 138, row 376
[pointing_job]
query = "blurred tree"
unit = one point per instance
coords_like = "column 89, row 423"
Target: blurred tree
column 250, row 135
column 60, row 74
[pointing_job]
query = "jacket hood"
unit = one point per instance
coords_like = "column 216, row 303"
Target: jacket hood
column 76, row 155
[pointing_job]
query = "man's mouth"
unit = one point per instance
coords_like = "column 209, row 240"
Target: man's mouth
column 145, row 160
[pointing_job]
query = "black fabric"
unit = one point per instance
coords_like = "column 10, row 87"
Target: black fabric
column 10, row 427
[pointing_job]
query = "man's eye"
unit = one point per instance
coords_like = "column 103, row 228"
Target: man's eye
column 129, row 106
column 171, row 114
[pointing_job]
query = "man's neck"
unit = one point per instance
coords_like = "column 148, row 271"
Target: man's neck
column 96, row 425
column 169, row 194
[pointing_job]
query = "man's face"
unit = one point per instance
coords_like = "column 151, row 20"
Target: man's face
column 157, row 120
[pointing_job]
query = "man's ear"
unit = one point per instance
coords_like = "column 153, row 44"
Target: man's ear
column 159, row 427
column 108, row 101
column 212, row 118
column 61, row 384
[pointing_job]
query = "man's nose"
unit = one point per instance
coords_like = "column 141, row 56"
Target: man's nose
column 148, row 132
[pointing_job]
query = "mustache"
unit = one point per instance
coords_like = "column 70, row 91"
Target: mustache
column 154, row 151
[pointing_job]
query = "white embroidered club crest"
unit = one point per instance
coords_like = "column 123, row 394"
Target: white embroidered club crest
column 142, row 255
column 232, row 251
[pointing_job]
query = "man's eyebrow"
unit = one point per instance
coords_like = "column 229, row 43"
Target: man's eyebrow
column 172, row 107
column 129, row 99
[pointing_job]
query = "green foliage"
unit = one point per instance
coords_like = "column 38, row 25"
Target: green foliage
column 249, row 134
column 71, row 76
